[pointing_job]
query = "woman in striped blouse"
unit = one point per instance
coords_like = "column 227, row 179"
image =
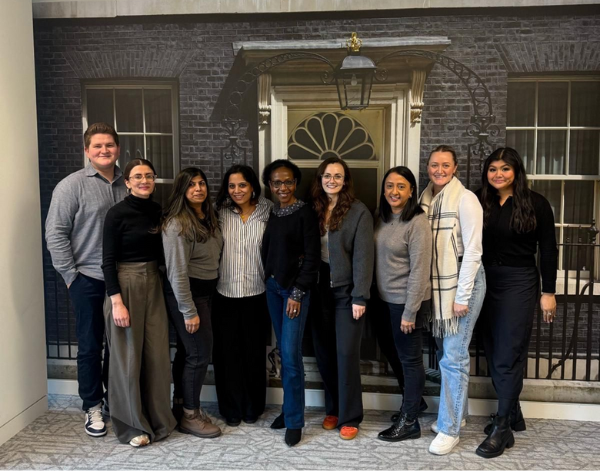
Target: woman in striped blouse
column 240, row 315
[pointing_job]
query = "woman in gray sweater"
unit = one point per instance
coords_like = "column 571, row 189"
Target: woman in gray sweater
column 345, row 276
column 402, row 269
column 192, row 243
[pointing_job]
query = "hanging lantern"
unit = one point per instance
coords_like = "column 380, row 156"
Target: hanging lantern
column 354, row 77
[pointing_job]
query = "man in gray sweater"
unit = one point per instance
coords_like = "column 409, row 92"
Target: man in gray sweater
column 74, row 238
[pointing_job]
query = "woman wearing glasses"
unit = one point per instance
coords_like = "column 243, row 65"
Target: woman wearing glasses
column 290, row 255
column 192, row 242
column 136, row 318
column 345, row 275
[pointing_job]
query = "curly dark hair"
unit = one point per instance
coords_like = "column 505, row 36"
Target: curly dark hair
column 320, row 199
column 269, row 169
column 523, row 215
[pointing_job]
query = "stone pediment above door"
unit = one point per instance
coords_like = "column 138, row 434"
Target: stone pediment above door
column 305, row 71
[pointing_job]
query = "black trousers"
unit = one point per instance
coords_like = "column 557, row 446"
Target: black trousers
column 87, row 296
column 240, row 327
column 410, row 352
column 506, row 322
column 379, row 318
column 193, row 350
column 337, row 337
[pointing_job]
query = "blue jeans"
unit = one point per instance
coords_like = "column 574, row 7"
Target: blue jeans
column 289, row 333
column 456, row 362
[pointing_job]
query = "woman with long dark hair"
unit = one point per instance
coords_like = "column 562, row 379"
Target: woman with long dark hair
column 290, row 256
column 136, row 318
column 345, row 276
column 517, row 222
column 458, row 287
column 240, row 315
column 402, row 273
column 192, row 243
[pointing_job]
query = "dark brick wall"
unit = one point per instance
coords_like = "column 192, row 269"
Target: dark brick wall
column 197, row 53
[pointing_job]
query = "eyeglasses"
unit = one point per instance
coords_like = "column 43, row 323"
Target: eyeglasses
column 138, row 177
column 337, row 177
column 288, row 183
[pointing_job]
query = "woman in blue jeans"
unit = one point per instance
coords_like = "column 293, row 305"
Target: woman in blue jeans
column 458, row 287
column 290, row 255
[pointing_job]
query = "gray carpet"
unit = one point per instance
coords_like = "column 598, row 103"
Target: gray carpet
column 57, row 441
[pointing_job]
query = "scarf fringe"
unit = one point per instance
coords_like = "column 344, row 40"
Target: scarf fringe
column 442, row 328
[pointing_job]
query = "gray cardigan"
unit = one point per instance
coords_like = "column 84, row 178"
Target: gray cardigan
column 351, row 253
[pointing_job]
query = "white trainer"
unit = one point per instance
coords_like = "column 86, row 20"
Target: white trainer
column 434, row 427
column 140, row 440
column 443, row 444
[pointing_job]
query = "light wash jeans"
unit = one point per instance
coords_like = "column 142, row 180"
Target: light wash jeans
column 455, row 364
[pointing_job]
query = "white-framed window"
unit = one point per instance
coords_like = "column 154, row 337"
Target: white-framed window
column 554, row 123
column 146, row 117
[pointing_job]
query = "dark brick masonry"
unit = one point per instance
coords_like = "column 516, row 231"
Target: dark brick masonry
column 197, row 54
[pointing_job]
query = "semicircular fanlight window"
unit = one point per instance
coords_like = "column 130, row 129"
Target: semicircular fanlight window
column 328, row 134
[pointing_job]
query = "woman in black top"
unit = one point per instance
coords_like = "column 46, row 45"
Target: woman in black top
column 517, row 221
column 290, row 255
column 136, row 318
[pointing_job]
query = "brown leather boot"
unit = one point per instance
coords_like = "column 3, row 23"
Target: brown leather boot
column 198, row 424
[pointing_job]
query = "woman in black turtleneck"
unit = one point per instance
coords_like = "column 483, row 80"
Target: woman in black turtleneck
column 136, row 317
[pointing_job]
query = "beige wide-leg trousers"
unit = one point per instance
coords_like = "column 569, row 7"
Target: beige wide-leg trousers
column 139, row 376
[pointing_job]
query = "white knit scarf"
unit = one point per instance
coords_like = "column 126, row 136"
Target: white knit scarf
column 442, row 212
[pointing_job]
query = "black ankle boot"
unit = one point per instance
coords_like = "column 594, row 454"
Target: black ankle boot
column 517, row 421
column 293, row 436
column 422, row 408
column 279, row 422
column 500, row 437
column 403, row 429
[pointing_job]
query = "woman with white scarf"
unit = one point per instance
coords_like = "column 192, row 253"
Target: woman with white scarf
column 458, row 287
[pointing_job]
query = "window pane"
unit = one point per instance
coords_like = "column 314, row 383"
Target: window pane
column 577, row 257
column 100, row 107
column 551, row 152
column 132, row 147
column 521, row 104
column 552, row 103
column 523, row 142
column 160, row 153
column 584, row 152
column 585, row 104
column 551, row 190
column 579, row 202
column 129, row 110
column 157, row 105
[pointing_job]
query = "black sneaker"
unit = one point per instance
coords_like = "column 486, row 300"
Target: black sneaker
column 94, row 423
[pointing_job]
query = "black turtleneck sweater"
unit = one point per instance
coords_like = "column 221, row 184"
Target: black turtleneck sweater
column 128, row 237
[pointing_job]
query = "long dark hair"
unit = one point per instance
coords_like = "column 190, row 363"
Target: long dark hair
column 320, row 199
column 523, row 215
column 223, row 198
column 412, row 207
column 179, row 209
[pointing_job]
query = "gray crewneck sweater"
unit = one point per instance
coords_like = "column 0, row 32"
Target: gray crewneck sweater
column 403, row 262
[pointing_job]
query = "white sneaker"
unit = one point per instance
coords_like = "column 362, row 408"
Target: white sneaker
column 140, row 440
column 443, row 444
column 94, row 423
column 434, row 427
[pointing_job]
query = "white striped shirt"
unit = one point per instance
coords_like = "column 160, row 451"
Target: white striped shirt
column 241, row 272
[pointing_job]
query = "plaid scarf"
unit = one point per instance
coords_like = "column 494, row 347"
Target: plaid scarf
column 442, row 212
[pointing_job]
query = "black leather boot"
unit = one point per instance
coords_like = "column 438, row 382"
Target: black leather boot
column 517, row 421
column 422, row 408
column 403, row 429
column 500, row 437
column 279, row 422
